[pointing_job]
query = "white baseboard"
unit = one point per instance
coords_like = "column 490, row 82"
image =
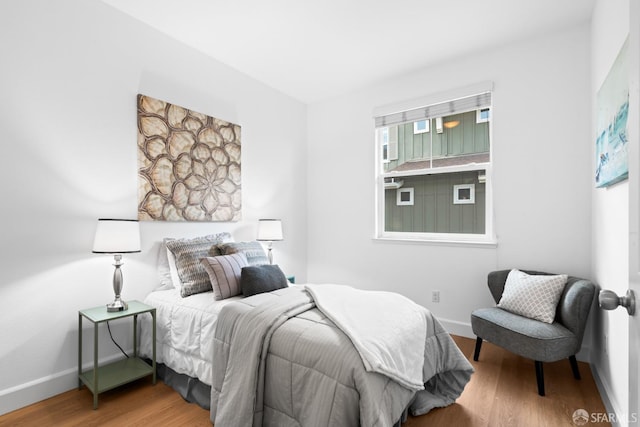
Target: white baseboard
column 43, row 388
column 34, row 391
column 455, row 327
column 609, row 405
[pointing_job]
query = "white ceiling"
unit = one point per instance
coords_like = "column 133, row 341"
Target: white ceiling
column 316, row 49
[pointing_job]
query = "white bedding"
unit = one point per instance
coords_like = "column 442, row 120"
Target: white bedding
column 281, row 362
column 184, row 331
column 378, row 324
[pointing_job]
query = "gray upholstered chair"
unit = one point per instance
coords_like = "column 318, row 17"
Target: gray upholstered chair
column 533, row 339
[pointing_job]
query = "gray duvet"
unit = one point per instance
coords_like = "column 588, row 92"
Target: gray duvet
column 282, row 362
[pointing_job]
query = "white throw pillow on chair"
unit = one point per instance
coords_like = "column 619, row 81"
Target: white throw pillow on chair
column 533, row 296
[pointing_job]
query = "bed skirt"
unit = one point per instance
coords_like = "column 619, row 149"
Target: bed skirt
column 191, row 389
column 195, row 391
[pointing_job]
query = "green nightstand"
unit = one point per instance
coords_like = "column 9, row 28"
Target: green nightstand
column 112, row 375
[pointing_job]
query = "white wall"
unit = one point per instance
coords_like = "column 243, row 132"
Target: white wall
column 542, row 186
column 610, row 228
column 70, row 73
column 71, row 70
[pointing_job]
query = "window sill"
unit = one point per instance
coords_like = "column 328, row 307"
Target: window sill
column 490, row 243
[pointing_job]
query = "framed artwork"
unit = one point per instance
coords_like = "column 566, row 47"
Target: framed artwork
column 188, row 164
column 612, row 108
column 464, row 194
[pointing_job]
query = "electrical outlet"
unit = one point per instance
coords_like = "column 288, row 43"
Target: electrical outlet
column 435, row 296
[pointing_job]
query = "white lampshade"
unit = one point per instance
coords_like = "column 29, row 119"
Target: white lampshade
column 269, row 230
column 117, row 236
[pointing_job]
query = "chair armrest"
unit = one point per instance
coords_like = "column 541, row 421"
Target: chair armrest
column 496, row 281
column 575, row 304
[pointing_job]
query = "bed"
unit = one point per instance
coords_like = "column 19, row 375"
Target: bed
column 304, row 365
column 184, row 340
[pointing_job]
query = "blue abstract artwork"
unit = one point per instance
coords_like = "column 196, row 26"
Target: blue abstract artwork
column 612, row 105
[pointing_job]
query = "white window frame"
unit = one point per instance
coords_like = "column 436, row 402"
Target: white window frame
column 389, row 146
column 479, row 118
column 399, row 200
column 486, row 239
column 384, row 146
column 417, row 130
column 457, row 200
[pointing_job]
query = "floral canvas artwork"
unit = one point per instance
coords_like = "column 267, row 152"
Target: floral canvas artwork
column 188, row 164
column 612, row 105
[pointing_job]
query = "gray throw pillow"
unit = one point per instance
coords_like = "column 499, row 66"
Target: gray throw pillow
column 262, row 278
column 188, row 253
column 252, row 250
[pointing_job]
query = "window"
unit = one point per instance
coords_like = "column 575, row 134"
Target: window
column 384, row 136
column 404, row 196
column 421, row 126
column 464, row 194
column 438, row 185
column 389, row 144
column 482, row 115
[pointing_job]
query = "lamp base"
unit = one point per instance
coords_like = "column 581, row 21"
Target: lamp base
column 117, row 305
column 270, row 255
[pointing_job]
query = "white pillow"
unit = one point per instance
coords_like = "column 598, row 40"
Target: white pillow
column 173, row 270
column 535, row 297
column 167, row 270
column 163, row 269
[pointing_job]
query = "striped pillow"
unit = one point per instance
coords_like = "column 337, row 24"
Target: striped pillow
column 224, row 272
column 187, row 253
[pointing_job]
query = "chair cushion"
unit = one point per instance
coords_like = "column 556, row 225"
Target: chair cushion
column 533, row 296
column 545, row 342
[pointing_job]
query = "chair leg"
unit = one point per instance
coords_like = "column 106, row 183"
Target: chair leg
column 574, row 367
column 540, row 377
column 476, row 353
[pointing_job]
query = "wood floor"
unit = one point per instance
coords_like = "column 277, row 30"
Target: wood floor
column 502, row 392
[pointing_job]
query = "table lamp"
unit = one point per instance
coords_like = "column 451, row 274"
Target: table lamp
column 117, row 236
column 269, row 230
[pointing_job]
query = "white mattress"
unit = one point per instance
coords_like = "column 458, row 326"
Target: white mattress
column 184, row 331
